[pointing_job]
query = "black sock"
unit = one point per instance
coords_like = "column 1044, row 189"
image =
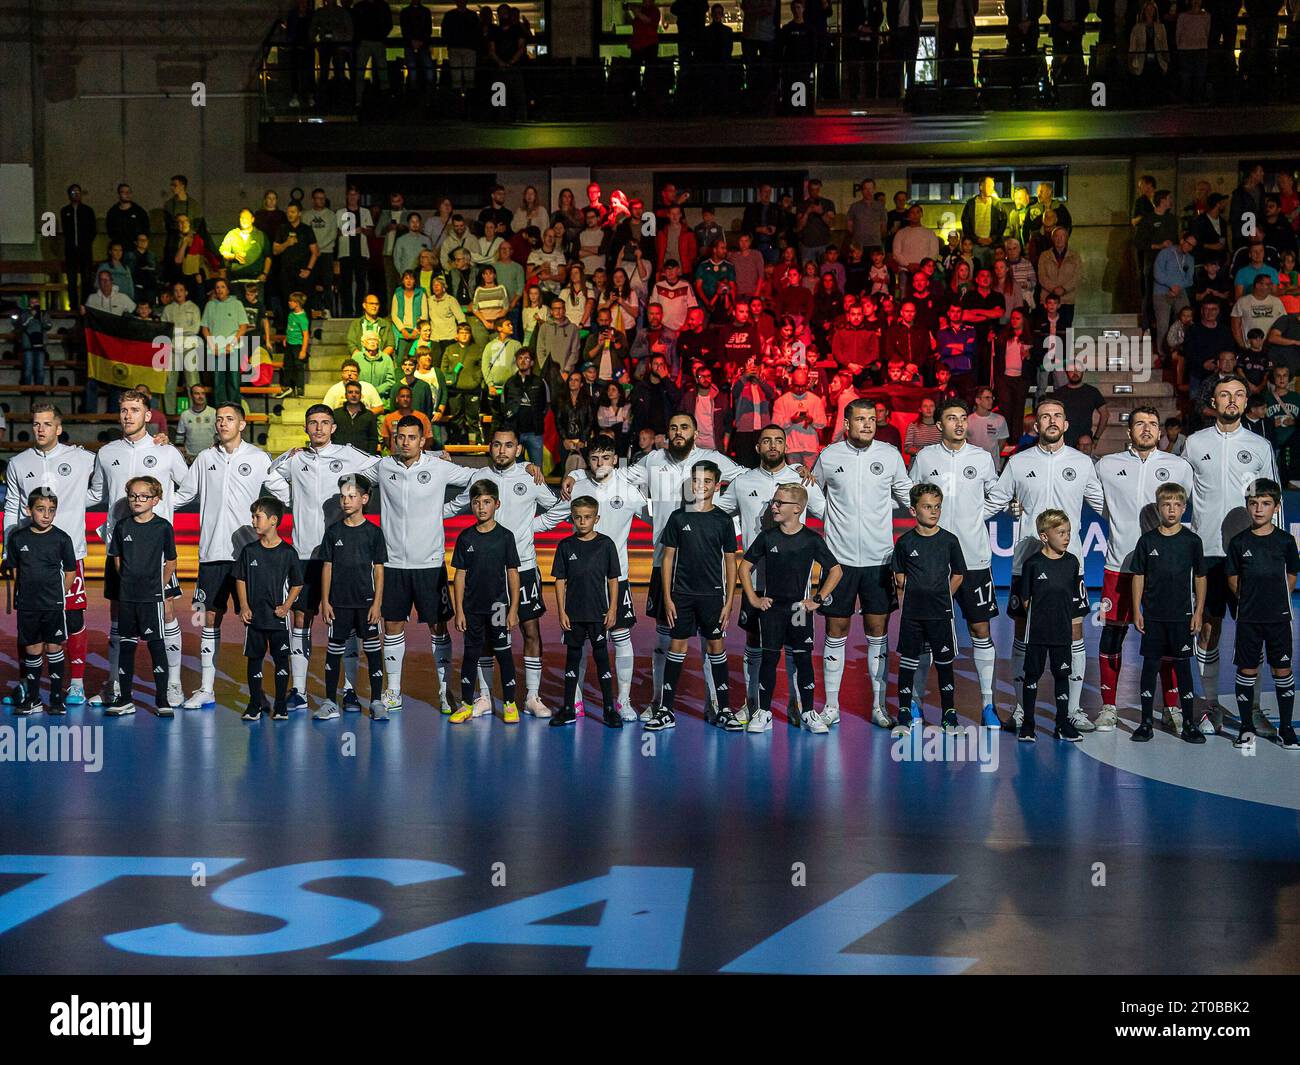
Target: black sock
column 374, row 649
column 1285, row 688
column 281, row 662
column 803, row 671
column 1150, row 680
column 126, row 667
column 1245, row 688
column 506, row 667
column 32, row 675
column 1186, row 693
column 767, row 678
column 55, row 660
column 600, row 652
column 720, row 669
column 947, row 685
column 572, row 661
column 1061, row 677
column 158, row 652
column 255, row 697
column 333, row 663
column 672, row 677
column 906, row 679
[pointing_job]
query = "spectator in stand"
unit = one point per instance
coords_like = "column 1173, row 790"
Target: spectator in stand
column 126, row 219
column 372, row 22
column 886, row 431
column 715, row 277
column 674, row 295
column 559, row 343
column 1174, row 345
column 575, row 419
column 752, row 397
column 614, row 416
column 958, row 350
column 793, row 299
column 922, row 432
column 1060, row 272
column 1283, row 407
column 656, row 339
column 1013, row 351
column 1283, row 339
column 1256, row 263
column 1022, row 26
column 694, row 342
column 984, row 219
column 654, row 401
column 909, row 340
column 816, row 215
column 856, row 344
column 747, row 266
column 913, row 243
column 675, row 242
column 762, row 221
column 802, row 414
column 375, row 367
column 462, row 36
column 866, row 218
column 246, row 251
column 710, row 407
column 606, row 349
column 1202, row 343
column 1172, row 276
column 1156, row 229
column 143, row 265
column 423, row 399
column 1173, row 440
column 738, row 341
column 355, row 423
column 409, row 307
column 403, row 405
column 1148, row 55
column 116, row 267
column 196, row 429
column 1247, row 198
column 1085, row 411
column 331, row 31
column 417, row 32
column 985, row 427
column 1257, row 309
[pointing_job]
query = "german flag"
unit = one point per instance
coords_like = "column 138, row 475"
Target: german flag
column 126, row 351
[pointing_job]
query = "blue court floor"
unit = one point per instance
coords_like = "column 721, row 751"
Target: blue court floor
column 206, row 844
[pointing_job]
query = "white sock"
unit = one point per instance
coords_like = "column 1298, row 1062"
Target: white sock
column 394, row 654
column 877, row 665
column 624, row 662
column 172, row 634
column 662, row 640
column 485, row 666
column 985, row 656
column 301, row 654
column 1207, row 665
column 708, row 673
column 442, row 666
column 1017, row 669
column 833, row 654
column 351, row 656
column 791, row 678
column 533, row 677
column 208, row 645
column 114, row 645
column 922, row 676
column 1078, row 663
column 753, row 660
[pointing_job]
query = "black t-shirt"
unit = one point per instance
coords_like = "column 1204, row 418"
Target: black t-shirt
column 296, row 256
column 783, row 562
column 268, row 573
column 700, row 538
column 586, row 567
column 354, row 551
column 1053, row 590
column 928, row 562
column 141, row 549
column 485, row 557
column 1261, row 565
column 1079, row 403
column 1170, row 564
column 41, row 560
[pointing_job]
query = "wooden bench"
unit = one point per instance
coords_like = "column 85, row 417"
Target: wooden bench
column 50, row 268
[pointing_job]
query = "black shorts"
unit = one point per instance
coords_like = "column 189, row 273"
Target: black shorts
column 531, row 606
column 977, row 596
column 352, row 621
column 914, row 634
column 1272, row 637
column 626, row 611
column 215, row 589
column 308, row 600
column 140, row 621
column 785, row 624
column 870, row 587
column 42, row 626
column 698, row 613
column 479, row 629
column 1168, row 639
column 1219, row 599
column 112, row 585
column 654, row 595
column 581, row 632
column 424, row 590
column 1016, row 605
column 258, row 641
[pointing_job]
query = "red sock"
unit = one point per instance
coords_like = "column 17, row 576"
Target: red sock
column 1169, row 681
column 76, row 652
column 1110, row 667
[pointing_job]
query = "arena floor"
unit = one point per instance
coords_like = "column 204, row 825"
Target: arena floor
column 485, row 847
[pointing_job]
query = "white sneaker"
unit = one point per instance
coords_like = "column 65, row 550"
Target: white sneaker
column 648, row 712
column 1106, row 720
column 1173, row 719
column 1018, row 716
column 880, row 718
column 1081, row 721
column 378, row 711
column 104, row 696
column 483, row 706
column 760, row 721
column 831, row 715
column 327, row 711
column 534, row 705
column 813, row 722
column 742, row 715
column 175, row 695
column 201, row 698
column 392, row 700
column 627, row 711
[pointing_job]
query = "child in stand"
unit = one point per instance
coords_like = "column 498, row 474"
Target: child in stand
column 144, row 551
column 1262, row 565
column 1168, row 596
column 352, row 588
column 297, row 341
column 586, row 570
column 485, row 595
column 1056, row 600
column 46, row 563
column 928, row 569
column 268, row 578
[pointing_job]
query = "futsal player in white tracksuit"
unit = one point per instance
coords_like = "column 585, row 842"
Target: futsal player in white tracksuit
column 664, row 477
column 1050, row 475
column 967, row 474
column 862, row 479
column 521, row 497
column 312, row 474
column 413, row 489
column 620, row 501
column 1226, row 458
column 137, row 455
column 749, row 496
column 226, row 479
column 65, row 470
column 1129, row 480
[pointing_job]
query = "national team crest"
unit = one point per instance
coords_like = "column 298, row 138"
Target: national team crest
column 1069, row 473
column 970, row 473
column 1162, row 474
column 336, row 466
column 616, row 503
column 245, row 469
column 521, row 489
column 424, row 477
column 65, row 469
column 877, row 468
column 1244, row 456
column 150, row 461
